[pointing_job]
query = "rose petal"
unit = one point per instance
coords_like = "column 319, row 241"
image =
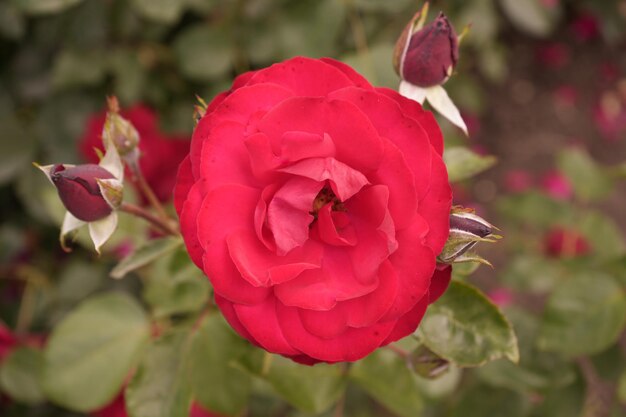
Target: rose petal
column 351, row 345
column 408, row 322
column 303, row 76
column 288, row 214
column 261, row 267
column 357, row 79
column 439, row 282
column 224, row 210
column 188, row 221
column 328, row 230
column 261, row 322
column 341, row 120
column 184, row 182
column 436, row 206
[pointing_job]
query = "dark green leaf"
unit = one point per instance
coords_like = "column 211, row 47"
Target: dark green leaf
column 482, row 401
column 203, row 52
column 217, row 381
column 20, row 375
column 175, row 288
column 310, row 388
column 464, row 327
column 587, row 178
column 463, row 163
column 98, row 341
column 585, row 315
column 151, row 251
column 16, row 149
column 160, row 386
column 534, row 209
column 75, row 68
column 387, row 378
column 603, row 233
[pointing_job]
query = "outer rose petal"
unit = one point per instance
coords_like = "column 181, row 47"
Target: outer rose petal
column 436, row 206
column 408, row 322
column 425, row 118
column 439, row 282
column 184, row 182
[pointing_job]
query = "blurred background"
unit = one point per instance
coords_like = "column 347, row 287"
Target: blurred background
column 540, row 83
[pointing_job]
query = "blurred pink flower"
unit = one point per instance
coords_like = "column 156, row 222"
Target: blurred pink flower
column 560, row 242
column 585, row 27
column 553, row 55
column 565, row 95
column 556, row 185
column 502, row 297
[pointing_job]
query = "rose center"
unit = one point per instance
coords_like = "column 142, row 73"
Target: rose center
column 325, row 196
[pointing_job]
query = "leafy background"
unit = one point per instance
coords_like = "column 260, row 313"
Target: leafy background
column 542, row 85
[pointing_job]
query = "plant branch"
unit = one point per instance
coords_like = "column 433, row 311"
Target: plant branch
column 162, row 224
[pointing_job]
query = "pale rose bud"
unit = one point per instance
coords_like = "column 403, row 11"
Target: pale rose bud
column 426, row 56
column 120, row 132
column 79, row 190
column 466, row 230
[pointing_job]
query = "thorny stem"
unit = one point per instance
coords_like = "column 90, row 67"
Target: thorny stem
column 162, row 224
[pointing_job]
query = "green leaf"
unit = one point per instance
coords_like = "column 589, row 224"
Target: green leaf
column 203, row 52
column 590, row 182
column 45, row 6
column 151, row 251
column 175, row 287
column 463, row 163
column 20, row 375
column 78, row 68
column 534, row 209
column 374, row 65
column 603, row 233
column 98, row 341
column 621, row 388
column 387, row 378
column 483, row 401
column 531, row 16
column 464, row 327
column 217, row 381
column 584, row 315
column 160, row 386
column 163, row 11
column 16, row 149
column 312, row 389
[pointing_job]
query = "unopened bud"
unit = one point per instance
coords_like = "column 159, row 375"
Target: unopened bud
column 79, row 190
column 425, row 56
column 120, row 132
column 466, row 230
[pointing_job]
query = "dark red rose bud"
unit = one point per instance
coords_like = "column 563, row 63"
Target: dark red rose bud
column 431, row 54
column 79, row 190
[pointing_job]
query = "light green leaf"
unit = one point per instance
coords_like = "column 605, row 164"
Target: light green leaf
column 585, row 315
column 534, row 209
column 174, row 288
column 464, row 327
column 590, row 182
column 160, row 386
column 151, row 251
column 375, row 65
column 45, row 6
column 387, row 378
column 217, row 381
column 203, row 52
column 531, row 16
column 603, row 233
column 462, row 163
column 92, row 350
column 20, row 375
column 310, row 388
column 164, row 11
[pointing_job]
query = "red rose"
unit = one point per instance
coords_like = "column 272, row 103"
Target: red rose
column 161, row 154
column 316, row 205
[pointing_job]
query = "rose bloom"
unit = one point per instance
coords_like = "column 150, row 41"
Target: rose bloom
column 160, row 154
column 316, row 204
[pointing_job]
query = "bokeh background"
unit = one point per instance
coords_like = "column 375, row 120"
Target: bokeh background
column 540, row 83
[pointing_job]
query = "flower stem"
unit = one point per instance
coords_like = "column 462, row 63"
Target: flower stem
column 163, row 224
column 398, row 351
column 147, row 191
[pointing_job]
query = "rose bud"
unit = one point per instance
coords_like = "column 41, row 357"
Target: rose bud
column 121, row 132
column 466, row 230
column 79, row 190
column 425, row 56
